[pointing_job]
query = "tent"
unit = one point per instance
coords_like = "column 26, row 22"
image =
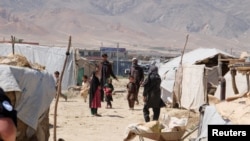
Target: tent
column 206, row 58
column 31, row 92
column 53, row 59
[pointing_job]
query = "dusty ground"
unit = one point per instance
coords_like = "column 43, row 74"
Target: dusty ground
column 75, row 123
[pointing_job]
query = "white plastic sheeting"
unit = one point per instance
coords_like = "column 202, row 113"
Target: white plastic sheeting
column 36, row 90
column 50, row 57
column 211, row 117
column 241, row 83
column 7, row 80
column 193, row 90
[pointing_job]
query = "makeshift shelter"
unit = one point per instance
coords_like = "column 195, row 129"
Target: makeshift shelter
column 31, row 91
column 240, row 81
column 234, row 109
column 52, row 58
column 83, row 67
column 237, row 79
column 199, row 66
column 234, row 112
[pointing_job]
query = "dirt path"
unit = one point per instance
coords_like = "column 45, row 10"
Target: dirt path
column 75, row 122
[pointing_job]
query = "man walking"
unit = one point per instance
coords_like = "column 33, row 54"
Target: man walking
column 106, row 72
column 137, row 72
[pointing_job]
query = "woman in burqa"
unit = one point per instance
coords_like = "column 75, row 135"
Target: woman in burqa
column 152, row 94
column 94, row 94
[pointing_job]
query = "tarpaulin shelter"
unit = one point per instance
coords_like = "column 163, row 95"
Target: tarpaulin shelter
column 52, row 58
column 237, row 79
column 31, row 92
column 203, row 58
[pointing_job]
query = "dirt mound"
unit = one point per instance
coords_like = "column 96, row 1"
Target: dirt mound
column 20, row 61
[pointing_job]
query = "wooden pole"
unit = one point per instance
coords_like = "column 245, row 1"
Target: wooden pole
column 13, row 44
column 60, row 87
column 117, row 60
column 219, row 65
column 178, row 79
column 248, row 83
column 182, row 53
column 205, row 87
column 233, row 74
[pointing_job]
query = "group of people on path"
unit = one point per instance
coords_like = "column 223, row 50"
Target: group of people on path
column 99, row 88
column 151, row 92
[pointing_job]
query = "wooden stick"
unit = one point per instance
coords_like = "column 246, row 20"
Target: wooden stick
column 13, row 44
column 231, row 98
column 230, row 59
column 234, row 85
column 189, row 133
column 248, row 83
column 182, row 53
column 177, row 83
column 60, row 88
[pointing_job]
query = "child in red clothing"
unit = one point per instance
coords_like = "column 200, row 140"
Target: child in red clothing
column 108, row 89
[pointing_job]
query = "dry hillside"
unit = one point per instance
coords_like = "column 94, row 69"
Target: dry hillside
column 157, row 25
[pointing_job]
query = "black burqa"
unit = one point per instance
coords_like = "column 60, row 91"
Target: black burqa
column 152, row 93
column 93, row 87
column 152, row 90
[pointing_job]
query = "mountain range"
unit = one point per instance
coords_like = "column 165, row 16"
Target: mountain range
column 141, row 25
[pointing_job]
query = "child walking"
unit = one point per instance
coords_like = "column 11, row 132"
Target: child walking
column 85, row 87
column 131, row 96
column 108, row 89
